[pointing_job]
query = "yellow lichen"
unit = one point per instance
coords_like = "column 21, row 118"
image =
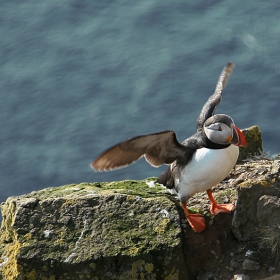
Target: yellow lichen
column 70, row 202
column 31, row 275
column 60, row 241
column 244, row 184
column 45, row 268
column 11, row 269
column 130, row 198
column 132, row 251
column 149, row 267
column 162, row 227
column 264, row 183
column 172, row 276
column 8, row 211
column 125, row 232
column 136, row 266
column 28, row 236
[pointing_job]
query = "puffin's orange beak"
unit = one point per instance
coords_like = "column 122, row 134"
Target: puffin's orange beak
column 238, row 138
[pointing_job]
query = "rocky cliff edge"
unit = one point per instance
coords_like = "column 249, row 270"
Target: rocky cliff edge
column 137, row 229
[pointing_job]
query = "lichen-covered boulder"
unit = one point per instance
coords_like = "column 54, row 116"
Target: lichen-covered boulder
column 256, row 181
column 122, row 230
column 254, row 143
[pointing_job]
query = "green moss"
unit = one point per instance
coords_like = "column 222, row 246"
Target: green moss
column 220, row 196
column 138, row 188
column 194, row 210
column 140, row 270
column 162, row 227
column 136, row 266
column 254, row 143
column 128, row 187
column 256, row 182
column 128, row 218
column 31, row 275
column 149, row 267
column 172, row 276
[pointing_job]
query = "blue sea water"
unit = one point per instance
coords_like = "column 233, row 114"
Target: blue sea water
column 79, row 76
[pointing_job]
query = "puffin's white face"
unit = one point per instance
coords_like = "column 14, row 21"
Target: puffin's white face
column 219, row 133
column 220, row 129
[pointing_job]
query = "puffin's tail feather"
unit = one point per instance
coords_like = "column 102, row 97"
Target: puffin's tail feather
column 166, row 179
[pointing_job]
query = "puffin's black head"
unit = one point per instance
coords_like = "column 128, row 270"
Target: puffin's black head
column 220, row 129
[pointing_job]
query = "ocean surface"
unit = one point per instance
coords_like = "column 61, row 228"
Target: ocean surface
column 80, row 76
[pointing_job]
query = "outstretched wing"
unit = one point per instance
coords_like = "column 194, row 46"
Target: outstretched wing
column 212, row 103
column 158, row 148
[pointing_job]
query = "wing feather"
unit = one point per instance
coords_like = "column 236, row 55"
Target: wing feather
column 214, row 100
column 158, row 148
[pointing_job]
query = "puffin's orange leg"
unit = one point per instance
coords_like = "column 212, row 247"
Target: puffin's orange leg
column 216, row 208
column 196, row 221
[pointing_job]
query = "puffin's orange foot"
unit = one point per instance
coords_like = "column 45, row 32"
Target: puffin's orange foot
column 197, row 222
column 216, row 208
column 221, row 208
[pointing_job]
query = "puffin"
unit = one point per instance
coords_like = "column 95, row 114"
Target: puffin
column 197, row 164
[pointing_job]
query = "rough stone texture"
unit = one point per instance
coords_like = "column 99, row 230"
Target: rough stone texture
column 254, row 143
column 268, row 210
column 123, row 230
column 258, row 178
column 251, row 265
column 274, row 277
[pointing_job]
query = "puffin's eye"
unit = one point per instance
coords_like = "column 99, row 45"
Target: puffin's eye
column 215, row 126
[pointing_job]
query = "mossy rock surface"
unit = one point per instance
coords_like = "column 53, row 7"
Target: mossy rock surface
column 122, row 230
column 253, row 180
column 135, row 229
column 254, row 143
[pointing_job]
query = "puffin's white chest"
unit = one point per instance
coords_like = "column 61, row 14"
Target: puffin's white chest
column 206, row 169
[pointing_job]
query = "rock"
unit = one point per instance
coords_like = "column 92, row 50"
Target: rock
column 252, row 255
column 251, row 265
column 258, row 178
column 241, row 277
column 274, row 277
column 122, row 230
column 269, row 238
column 254, row 143
column 268, row 206
column 234, row 264
column 206, row 276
